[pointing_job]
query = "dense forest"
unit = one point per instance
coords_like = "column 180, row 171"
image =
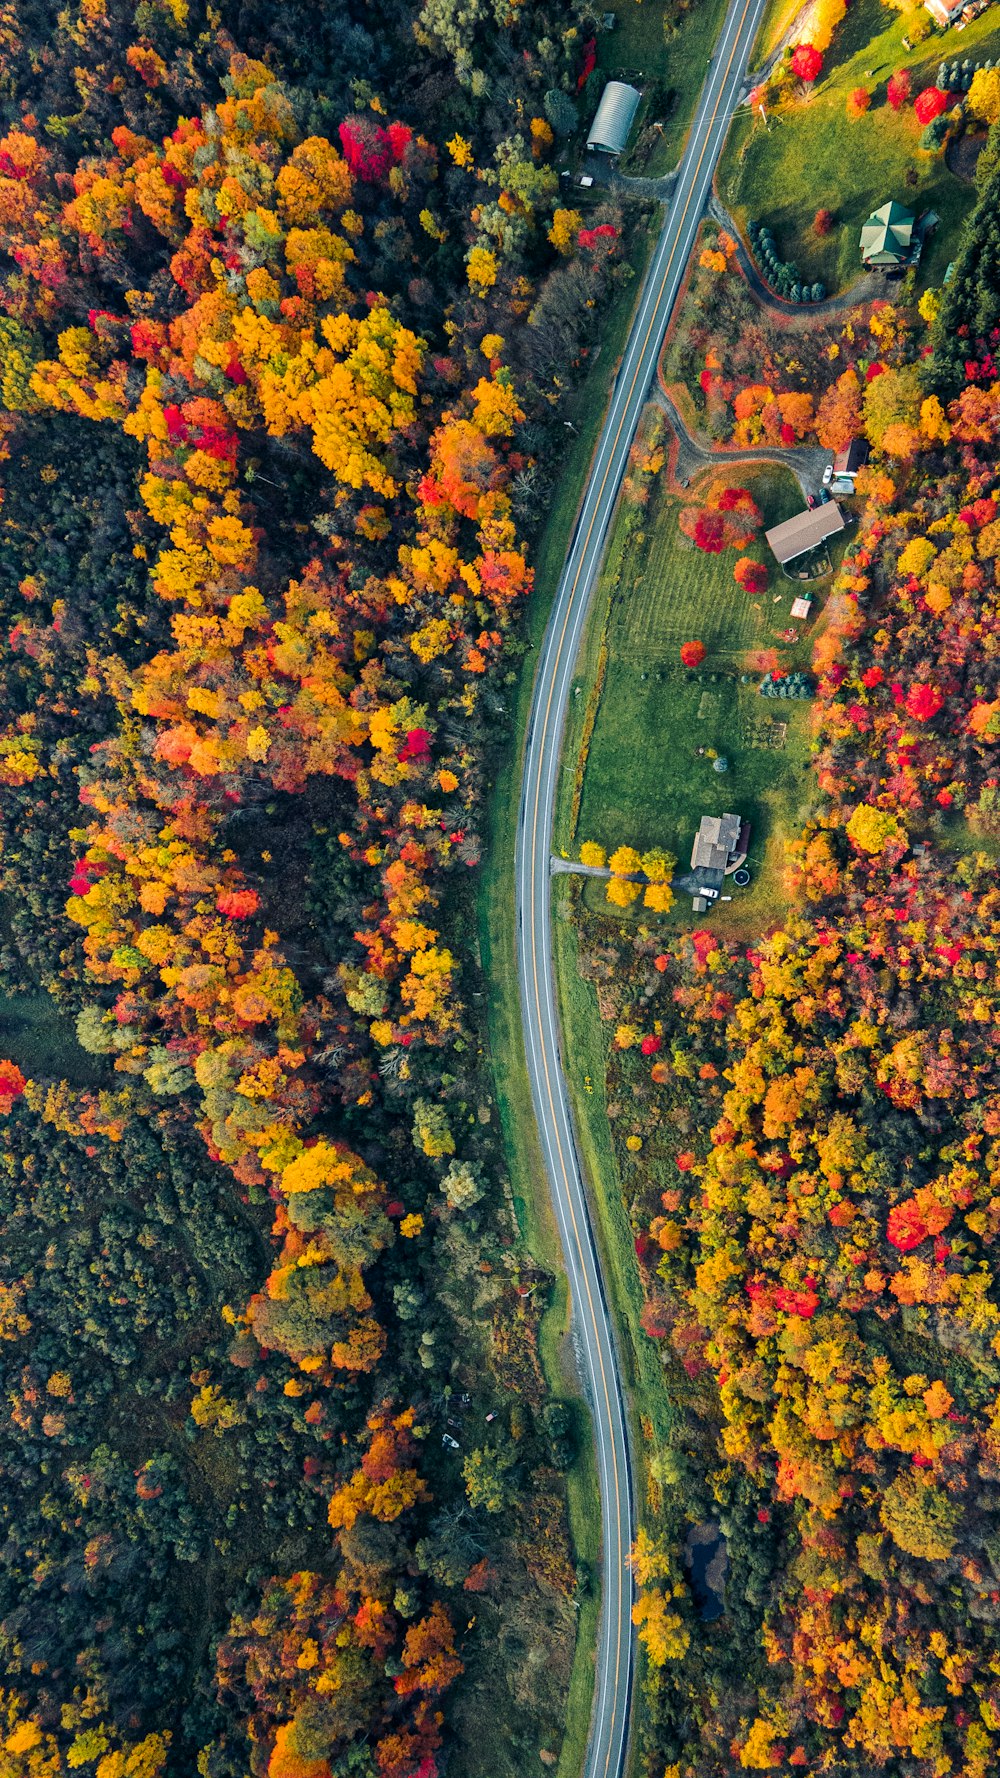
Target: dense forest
column 807, row 1127
column 288, row 306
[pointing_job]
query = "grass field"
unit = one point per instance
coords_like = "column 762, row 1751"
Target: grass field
column 812, row 156
column 644, row 781
column 37, row 1035
column 671, row 70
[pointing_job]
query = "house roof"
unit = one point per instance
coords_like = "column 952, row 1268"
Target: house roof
column 854, row 458
column 942, row 12
column 887, row 236
column 614, row 117
column 804, row 531
column 717, row 838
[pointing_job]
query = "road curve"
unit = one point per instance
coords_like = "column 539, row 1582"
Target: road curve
column 609, row 1730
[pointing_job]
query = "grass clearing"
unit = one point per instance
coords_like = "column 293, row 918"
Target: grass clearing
column 778, row 16
column 644, row 781
column 585, row 1074
column 37, row 1035
column 812, row 156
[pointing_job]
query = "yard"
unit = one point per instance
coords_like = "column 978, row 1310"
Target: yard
column 813, row 156
column 670, row 71
column 648, row 775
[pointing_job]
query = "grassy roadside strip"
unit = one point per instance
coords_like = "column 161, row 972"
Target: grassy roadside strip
column 585, row 1061
column 647, row 1402
column 497, row 937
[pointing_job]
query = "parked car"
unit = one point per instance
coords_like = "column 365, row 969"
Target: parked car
column 828, row 475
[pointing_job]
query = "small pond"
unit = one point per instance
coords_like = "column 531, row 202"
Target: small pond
column 706, row 1559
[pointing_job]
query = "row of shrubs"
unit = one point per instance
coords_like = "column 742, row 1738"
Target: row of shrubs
column 782, row 275
column 956, row 77
column 793, row 685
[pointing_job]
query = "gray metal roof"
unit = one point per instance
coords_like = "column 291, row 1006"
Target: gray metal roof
column 716, row 840
column 805, row 531
column 615, row 117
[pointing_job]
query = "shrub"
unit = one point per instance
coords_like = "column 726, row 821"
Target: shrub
column 692, row 653
column 822, row 222
column 930, row 104
column 807, row 63
column 898, row 89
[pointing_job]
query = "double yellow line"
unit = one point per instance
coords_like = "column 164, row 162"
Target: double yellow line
column 538, row 734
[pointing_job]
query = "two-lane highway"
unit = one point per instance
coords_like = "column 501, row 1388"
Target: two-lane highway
column 610, row 1722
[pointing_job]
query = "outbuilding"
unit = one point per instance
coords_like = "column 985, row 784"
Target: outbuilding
column 615, row 116
column 887, row 237
column 797, row 536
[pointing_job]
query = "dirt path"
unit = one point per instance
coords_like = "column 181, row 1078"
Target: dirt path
column 806, row 462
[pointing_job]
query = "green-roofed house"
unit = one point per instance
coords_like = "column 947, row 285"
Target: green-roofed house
column 887, row 238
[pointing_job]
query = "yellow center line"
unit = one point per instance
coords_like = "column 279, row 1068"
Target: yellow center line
column 534, row 827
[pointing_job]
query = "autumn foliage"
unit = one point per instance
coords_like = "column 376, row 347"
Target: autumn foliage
column 726, row 518
column 807, row 63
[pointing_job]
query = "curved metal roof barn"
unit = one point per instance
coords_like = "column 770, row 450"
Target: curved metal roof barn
column 615, row 117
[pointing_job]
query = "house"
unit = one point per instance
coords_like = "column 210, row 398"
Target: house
column 846, row 464
column 797, row 536
column 614, row 118
column 720, row 847
column 943, row 14
column 887, row 238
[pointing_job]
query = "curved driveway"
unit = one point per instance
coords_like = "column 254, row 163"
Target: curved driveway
column 610, row 1722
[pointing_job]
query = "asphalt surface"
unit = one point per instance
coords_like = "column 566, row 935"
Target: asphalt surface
column 610, row 1722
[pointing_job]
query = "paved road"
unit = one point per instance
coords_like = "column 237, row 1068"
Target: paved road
column 610, row 1723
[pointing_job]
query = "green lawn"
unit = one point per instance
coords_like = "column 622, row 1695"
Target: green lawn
column 643, row 779
column 813, row 156
column 671, row 73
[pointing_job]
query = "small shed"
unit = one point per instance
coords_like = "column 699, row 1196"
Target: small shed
column 847, row 463
column 887, row 237
column 614, row 118
column 801, row 606
column 797, row 536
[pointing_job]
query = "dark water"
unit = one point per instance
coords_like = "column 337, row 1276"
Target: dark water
column 707, row 1561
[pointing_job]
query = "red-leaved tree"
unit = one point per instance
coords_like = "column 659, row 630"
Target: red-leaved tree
column 807, row 63
column 898, row 89
column 750, row 575
column 727, row 519
column 692, row 653
column 930, row 103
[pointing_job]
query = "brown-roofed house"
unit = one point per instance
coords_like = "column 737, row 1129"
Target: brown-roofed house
column 847, row 463
column 797, row 536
